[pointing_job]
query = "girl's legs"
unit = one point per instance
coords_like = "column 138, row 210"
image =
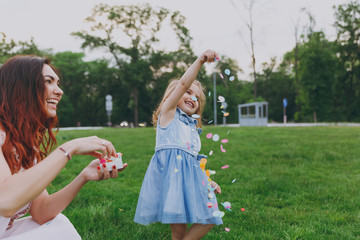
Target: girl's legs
column 197, row 231
column 178, row 231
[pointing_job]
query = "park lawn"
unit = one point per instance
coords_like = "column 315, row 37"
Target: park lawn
column 294, row 183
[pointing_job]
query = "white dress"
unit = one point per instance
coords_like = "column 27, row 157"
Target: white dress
column 17, row 228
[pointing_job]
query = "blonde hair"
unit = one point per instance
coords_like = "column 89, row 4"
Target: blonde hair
column 172, row 85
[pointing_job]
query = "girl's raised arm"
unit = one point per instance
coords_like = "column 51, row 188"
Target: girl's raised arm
column 169, row 106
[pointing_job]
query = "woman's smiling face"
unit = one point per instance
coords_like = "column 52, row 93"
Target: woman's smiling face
column 53, row 92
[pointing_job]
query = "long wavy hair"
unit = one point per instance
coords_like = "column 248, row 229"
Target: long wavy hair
column 170, row 88
column 23, row 115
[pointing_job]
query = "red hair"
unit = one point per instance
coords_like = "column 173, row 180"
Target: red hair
column 23, row 115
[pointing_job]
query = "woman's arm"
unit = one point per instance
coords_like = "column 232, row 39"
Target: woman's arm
column 45, row 207
column 19, row 189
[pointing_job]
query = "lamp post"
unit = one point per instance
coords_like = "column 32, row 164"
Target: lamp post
column 215, row 113
column 108, row 107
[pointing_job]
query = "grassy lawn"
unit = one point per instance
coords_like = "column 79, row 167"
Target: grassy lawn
column 294, row 183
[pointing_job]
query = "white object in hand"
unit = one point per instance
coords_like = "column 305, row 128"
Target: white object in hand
column 110, row 162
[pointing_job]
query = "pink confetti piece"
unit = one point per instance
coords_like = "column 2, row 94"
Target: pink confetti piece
column 224, row 140
column 222, row 77
column 222, row 149
column 203, row 183
column 209, row 135
column 242, row 209
column 209, row 205
column 227, row 229
column 225, row 166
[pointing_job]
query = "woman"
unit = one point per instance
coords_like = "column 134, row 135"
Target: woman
column 29, row 95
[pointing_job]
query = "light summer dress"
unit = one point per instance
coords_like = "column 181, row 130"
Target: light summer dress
column 26, row 228
column 175, row 189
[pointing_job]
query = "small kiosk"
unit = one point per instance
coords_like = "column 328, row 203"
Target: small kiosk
column 253, row 114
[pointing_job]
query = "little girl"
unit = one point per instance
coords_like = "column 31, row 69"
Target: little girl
column 175, row 189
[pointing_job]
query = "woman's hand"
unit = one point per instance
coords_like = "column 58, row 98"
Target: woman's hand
column 94, row 146
column 216, row 187
column 93, row 171
column 208, row 56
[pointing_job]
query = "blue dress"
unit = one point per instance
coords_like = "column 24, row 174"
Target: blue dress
column 175, row 189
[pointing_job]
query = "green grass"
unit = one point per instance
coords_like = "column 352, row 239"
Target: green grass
column 294, row 183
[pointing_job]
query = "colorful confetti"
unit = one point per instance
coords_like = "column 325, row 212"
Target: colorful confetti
column 227, row 72
column 179, row 157
column 224, row 140
column 209, row 135
column 176, row 170
column 210, row 121
column 233, row 180
column 232, row 78
column 227, row 229
column 226, row 205
column 211, row 195
column 222, row 148
column 221, row 99
column 194, row 98
column 218, row 214
column 215, row 138
column 242, row 209
column 222, row 77
column 211, row 152
column 210, row 205
column 225, row 166
column 195, row 116
column 226, row 114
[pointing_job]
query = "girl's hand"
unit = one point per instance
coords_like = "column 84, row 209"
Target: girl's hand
column 216, row 186
column 208, row 56
column 93, row 146
column 93, row 171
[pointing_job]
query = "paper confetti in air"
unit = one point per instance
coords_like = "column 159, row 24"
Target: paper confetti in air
column 209, row 135
column 222, row 148
column 226, row 205
column 224, row 140
column 215, row 138
column 225, row 166
column 221, row 99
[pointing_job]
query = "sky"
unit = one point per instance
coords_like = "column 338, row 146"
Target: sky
column 214, row 24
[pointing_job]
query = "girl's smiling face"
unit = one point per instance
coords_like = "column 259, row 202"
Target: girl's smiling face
column 189, row 102
column 53, row 92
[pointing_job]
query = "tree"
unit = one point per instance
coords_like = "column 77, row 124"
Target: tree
column 10, row 47
column 347, row 25
column 129, row 34
column 316, row 73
